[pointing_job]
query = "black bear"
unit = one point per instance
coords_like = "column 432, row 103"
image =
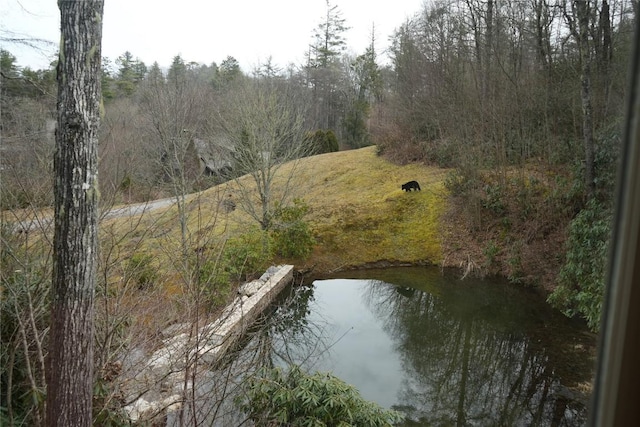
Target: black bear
column 411, row 185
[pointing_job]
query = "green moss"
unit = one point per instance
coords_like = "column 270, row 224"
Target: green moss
column 402, row 228
column 91, row 56
column 358, row 213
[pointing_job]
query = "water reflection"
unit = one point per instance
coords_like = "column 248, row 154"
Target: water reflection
column 442, row 351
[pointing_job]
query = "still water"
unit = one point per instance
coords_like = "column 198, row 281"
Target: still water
column 440, row 350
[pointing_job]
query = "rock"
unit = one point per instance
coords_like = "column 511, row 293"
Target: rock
column 138, row 409
column 250, row 288
column 163, row 372
column 270, row 272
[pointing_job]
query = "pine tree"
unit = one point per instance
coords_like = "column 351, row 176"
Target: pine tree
column 177, row 74
column 229, row 70
column 366, row 86
column 324, row 65
column 329, row 39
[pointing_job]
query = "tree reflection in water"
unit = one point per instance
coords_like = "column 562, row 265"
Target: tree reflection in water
column 472, row 353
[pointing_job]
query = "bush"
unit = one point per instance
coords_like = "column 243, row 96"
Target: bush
column 322, row 141
column 246, row 255
column 494, row 199
column 141, row 269
column 581, row 280
column 291, row 235
column 464, row 180
column 214, row 281
column 240, row 258
column 278, row 398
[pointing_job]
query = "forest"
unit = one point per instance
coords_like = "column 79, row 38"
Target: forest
column 523, row 102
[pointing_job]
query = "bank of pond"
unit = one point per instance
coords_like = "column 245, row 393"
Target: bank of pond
column 442, row 351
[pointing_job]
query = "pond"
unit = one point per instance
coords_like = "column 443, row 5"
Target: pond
column 441, row 350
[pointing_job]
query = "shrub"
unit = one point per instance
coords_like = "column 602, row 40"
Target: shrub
column 322, row 141
column 246, row 255
column 141, row 269
column 463, row 181
column 278, row 398
column 291, row 235
column 214, row 281
column 581, row 280
column 494, row 199
column 238, row 259
column 491, row 251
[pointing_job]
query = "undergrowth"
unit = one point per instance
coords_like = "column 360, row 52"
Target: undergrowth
column 511, row 223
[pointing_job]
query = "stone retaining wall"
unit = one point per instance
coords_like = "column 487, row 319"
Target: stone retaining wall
column 159, row 385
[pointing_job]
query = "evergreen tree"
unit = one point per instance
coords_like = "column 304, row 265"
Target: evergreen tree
column 10, row 74
column 107, row 81
column 213, row 75
column 37, row 83
column 130, row 73
column 125, row 73
column 324, row 68
column 177, row 72
column 329, row 39
column 229, row 70
column 268, row 70
column 155, row 75
column 366, row 86
column 139, row 71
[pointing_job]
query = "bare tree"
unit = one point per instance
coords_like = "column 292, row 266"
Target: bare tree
column 126, row 174
column 265, row 127
column 173, row 108
column 71, row 348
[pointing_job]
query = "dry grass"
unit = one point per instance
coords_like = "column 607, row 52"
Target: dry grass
column 359, row 214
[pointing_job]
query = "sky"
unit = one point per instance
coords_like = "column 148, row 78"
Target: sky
column 206, row 31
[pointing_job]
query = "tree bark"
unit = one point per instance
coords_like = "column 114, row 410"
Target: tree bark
column 487, row 78
column 582, row 16
column 70, row 360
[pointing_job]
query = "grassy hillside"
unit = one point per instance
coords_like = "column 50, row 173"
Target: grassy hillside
column 360, row 216
column 358, row 213
column 152, row 264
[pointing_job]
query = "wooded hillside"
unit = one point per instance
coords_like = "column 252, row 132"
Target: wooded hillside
column 519, row 104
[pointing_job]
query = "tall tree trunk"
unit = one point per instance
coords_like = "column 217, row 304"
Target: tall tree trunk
column 70, row 363
column 487, row 79
column 543, row 38
column 605, row 56
column 582, row 16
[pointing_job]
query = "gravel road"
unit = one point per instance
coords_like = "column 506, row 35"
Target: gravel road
column 119, row 212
